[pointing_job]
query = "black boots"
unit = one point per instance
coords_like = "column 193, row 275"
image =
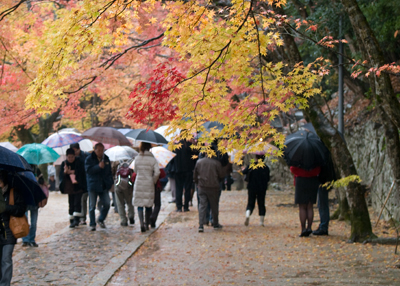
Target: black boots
column 74, row 222
column 147, row 220
column 141, row 219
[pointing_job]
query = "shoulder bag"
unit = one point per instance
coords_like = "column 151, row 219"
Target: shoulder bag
column 19, row 225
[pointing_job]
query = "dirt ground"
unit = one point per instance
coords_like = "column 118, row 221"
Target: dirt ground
column 176, row 254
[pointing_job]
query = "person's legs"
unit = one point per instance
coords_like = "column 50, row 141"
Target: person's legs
column 147, row 217
column 6, row 264
column 92, row 208
column 251, row 200
column 84, row 200
column 32, row 228
column 261, row 202
column 141, row 219
column 128, row 195
column 203, row 203
column 105, row 205
column 303, row 216
column 310, row 216
column 323, row 208
column 77, row 208
column 71, row 208
column 179, row 178
column 172, row 184
column 115, row 202
column 157, row 207
column 120, row 201
column 213, row 198
column 188, row 189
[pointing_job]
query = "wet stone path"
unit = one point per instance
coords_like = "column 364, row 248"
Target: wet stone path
column 79, row 256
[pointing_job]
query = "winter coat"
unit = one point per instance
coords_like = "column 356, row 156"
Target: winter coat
column 183, row 160
column 258, row 178
column 208, row 173
column 79, row 175
column 17, row 210
column 98, row 179
column 147, row 173
column 82, row 157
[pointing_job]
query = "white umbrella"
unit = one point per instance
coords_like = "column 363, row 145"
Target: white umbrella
column 9, row 146
column 163, row 131
column 120, row 153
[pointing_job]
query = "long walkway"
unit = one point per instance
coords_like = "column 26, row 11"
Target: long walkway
column 272, row 255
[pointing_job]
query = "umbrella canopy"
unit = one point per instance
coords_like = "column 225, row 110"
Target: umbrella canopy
column 26, row 183
column 162, row 155
column 305, row 150
column 106, row 135
column 62, row 139
column 12, row 162
column 9, row 146
column 84, row 145
column 148, row 136
column 120, row 153
column 124, row 130
column 38, row 154
column 163, row 130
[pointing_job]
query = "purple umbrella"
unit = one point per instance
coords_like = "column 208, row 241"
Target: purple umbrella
column 61, row 139
column 106, row 135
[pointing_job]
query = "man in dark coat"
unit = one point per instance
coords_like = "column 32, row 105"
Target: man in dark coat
column 327, row 174
column 72, row 183
column 82, row 155
column 99, row 181
column 207, row 176
column 184, row 165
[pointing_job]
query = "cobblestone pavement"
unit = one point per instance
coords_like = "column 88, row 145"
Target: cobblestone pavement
column 272, row 255
column 78, row 256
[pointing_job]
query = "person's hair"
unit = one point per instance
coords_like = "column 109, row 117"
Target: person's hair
column 97, row 145
column 4, row 177
column 144, row 146
column 75, row 146
column 70, row 151
column 262, row 157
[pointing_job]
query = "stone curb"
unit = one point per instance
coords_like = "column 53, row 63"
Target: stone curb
column 117, row 262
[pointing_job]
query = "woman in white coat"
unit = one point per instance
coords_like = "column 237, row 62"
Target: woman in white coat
column 147, row 173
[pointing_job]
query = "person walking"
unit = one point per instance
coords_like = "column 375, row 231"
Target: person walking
column 147, row 173
column 207, row 175
column 184, row 165
column 29, row 240
column 99, row 181
column 124, row 193
column 81, row 156
column 306, row 183
column 257, row 188
column 72, row 183
column 327, row 174
column 7, row 239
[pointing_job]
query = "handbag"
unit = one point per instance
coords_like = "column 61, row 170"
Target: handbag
column 19, row 225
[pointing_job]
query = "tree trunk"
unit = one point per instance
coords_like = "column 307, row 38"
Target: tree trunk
column 24, row 135
column 383, row 86
column 361, row 228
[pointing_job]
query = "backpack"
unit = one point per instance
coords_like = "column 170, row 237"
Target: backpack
column 124, row 177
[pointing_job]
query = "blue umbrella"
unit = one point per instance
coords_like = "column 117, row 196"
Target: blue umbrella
column 61, row 139
column 12, row 162
column 38, row 154
column 26, row 184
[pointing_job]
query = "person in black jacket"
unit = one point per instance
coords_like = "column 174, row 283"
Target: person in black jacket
column 7, row 239
column 257, row 188
column 72, row 182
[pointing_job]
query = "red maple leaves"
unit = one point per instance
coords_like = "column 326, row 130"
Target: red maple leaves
column 152, row 101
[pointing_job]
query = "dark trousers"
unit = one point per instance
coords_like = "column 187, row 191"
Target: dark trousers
column 259, row 195
column 75, row 204
column 208, row 196
column 183, row 181
column 323, row 208
column 157, row 205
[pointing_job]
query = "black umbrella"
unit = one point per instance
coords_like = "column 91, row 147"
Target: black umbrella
column 26, row 183
column 148, row 136
column 12, row 162
column 305, row 150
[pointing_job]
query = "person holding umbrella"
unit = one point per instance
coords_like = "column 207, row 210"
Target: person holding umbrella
column 72, row 183
column 305, row 154
column 7, row 239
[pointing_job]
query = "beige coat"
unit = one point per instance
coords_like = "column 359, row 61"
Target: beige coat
column 147, row 173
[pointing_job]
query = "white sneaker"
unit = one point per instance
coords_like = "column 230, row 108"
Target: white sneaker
column 246, row 222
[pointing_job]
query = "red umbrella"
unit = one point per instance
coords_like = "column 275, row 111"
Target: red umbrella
column 106, row 135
